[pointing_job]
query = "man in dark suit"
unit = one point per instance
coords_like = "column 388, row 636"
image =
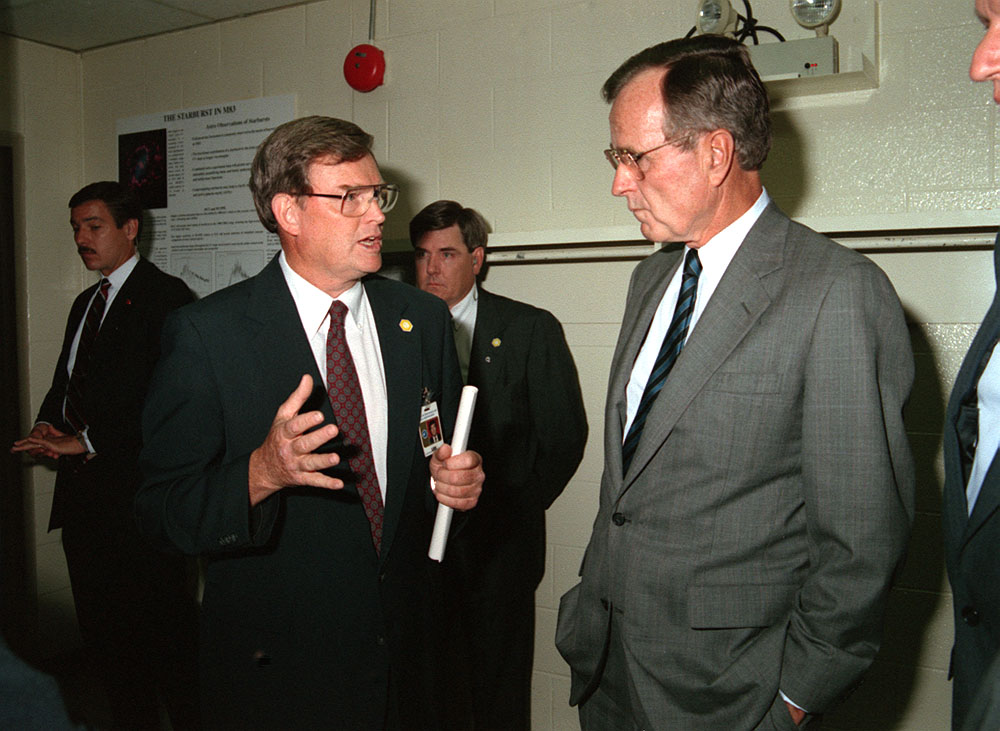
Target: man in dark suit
column 972, row 481
column 313, row 510
column 135, row 607
column 530, row 428
column 758, row 486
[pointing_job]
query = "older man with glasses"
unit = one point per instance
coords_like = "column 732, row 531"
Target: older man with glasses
column 283, row 445
column 758, row 486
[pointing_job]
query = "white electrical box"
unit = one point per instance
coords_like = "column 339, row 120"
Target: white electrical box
column 796, row 59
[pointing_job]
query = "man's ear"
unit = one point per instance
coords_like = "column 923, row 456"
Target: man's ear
column 131, row 229
column 287, row 212
column 478, row 257
column 721, row 155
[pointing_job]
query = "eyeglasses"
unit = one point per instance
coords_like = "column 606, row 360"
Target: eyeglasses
column 355, row 202
column 620, row 156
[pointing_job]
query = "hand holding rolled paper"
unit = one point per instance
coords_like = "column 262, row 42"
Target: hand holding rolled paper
column 455, row 481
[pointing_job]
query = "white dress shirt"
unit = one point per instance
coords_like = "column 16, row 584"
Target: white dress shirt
column 116, row 279
column 463, row 321
column 988, row 392
column 313, row 305
column 715, row 256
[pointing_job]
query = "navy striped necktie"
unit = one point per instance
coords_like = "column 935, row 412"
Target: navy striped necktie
column 673, row 343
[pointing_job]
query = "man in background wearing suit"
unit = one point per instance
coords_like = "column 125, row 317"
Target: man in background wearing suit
column 972, row 482
column 756, row 501
column 283, row 444
column 530, row 428
column 135, row 606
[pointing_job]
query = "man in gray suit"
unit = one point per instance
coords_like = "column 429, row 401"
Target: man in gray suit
column 972, row 483
column 758, row 486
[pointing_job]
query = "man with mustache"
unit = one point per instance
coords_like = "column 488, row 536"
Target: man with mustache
column 135, row 606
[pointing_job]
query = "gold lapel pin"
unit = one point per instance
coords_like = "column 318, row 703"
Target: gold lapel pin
column 405, row 325
column 495, row 342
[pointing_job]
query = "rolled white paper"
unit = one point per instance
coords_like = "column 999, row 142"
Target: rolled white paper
column 463, row 422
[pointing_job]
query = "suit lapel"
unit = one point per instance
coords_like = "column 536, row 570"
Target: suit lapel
column 737, row 303
column 120, row 308
column 274, row 330
column 959, row 525
column 401, row 356
column 648, row 294
column 988, row 499
column 484, row 357
column 133, row 290
column 77, row 312
column 986, row 503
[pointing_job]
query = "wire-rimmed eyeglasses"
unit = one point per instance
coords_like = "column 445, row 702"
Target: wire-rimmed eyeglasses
column 620, row 156
column 355, row 202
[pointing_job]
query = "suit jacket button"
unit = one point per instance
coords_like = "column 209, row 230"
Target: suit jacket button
column 618, row 519
column 970, row 615
column 380, row 640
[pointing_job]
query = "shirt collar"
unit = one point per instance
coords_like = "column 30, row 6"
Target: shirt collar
column 119, row 275
column 463, row 306
column 721, row 248
column 313, row 303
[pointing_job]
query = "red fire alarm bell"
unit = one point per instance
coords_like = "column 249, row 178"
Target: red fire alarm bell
column 364, row 67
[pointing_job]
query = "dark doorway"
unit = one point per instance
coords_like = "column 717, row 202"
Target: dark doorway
column 14, row 582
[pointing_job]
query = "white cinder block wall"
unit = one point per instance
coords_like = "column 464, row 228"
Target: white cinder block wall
column 495, row 103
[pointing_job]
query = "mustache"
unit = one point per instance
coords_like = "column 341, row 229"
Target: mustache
column 85, row 250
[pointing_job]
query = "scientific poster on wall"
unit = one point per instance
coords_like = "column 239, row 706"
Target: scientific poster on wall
column 191, row 168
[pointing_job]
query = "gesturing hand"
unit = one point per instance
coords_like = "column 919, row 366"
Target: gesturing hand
column 287, row 456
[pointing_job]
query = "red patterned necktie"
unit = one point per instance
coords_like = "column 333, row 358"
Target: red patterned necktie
column 348, row 403
column 74, row 390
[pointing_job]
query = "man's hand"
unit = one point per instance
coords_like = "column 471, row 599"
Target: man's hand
column 47, row 441
column 286, row 457
column 458, row 480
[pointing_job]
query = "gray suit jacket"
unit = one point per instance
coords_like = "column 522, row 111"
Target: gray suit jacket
column 751, row 545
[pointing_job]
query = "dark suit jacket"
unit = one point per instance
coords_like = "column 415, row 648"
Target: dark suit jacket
column 972, row 543
column 983, row 712
column 530, row 428
column 751, row 544
column 303, row 625
column 124, row 354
